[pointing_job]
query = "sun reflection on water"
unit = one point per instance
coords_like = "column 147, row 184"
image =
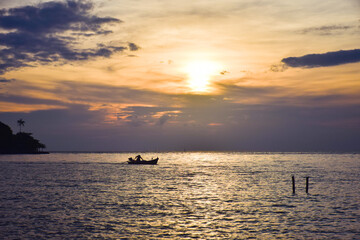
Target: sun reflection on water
column 188, row 195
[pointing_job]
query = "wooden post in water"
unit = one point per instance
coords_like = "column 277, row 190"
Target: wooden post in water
column 293, row 183
column 307, row 184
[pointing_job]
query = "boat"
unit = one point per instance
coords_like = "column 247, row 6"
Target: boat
column 149, row 162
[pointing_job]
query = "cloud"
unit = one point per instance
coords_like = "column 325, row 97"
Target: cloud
column 137, row 116
column 324, row 59
column 298, row 122
column 133, row 47
column 280, row 67
column 42, row 34
column 163, row 119
column 5, row 80
column 263, row 127
column 327, row 29
column 29, row 100
column 53, row 17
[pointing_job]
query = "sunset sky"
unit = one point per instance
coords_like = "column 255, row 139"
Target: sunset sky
column 136, row 75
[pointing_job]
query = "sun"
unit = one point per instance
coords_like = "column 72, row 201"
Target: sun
column 200, row 74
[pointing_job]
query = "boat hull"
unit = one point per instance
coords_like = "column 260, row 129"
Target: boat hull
column 149, row 162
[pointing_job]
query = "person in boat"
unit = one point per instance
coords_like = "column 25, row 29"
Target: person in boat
column 138, row 158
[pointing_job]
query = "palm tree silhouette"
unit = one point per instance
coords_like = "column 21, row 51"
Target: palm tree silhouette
column 21, row 122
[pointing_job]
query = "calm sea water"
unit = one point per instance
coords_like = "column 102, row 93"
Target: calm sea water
column 186, row 196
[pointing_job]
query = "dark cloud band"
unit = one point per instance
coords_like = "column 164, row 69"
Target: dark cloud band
column 324, row 59
column 42, row 34
column 328, row 29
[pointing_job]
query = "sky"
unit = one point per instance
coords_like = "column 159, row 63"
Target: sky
column 171, row 75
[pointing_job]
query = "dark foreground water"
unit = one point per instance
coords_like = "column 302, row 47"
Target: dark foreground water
column 185, row 196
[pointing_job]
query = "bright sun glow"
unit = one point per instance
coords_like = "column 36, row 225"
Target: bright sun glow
column 200, row 73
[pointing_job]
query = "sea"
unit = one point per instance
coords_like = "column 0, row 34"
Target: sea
column 188, row 195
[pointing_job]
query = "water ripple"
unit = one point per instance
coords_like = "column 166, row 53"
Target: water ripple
column 186, row 196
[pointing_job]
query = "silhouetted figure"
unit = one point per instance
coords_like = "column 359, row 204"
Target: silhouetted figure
column 138, row 158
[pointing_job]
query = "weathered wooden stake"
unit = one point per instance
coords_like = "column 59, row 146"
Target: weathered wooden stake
column 293, row 183
column 307, row 184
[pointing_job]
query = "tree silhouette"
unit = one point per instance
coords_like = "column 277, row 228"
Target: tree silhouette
column 20, row 123
column 20, row 143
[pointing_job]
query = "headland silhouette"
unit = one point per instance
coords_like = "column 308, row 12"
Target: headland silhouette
column 19, row 143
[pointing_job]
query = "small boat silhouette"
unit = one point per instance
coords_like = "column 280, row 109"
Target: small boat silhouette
column 150, row 162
